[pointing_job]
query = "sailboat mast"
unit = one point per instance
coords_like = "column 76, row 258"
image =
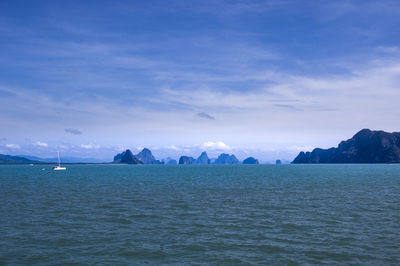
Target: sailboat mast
column 58, row 158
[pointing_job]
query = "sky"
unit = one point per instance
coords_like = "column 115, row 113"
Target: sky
column 254, row 78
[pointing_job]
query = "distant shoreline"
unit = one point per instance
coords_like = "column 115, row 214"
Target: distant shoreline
column 45, row 163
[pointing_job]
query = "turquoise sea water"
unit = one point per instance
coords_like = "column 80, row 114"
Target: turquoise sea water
column 255, row 214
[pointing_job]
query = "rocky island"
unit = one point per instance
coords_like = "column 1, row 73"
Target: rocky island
column 250, row 160
column 126, row 157
column 203, row 158
column 143, row 157
column 366, row 146
column 186, row 160
column 225, row 158
column 147, row 157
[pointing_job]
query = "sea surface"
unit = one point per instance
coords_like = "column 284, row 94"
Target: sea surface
column 202, row 215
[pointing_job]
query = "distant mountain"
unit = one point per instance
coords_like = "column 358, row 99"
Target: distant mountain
column 118, row 157
column 225, row 158
column 171, row 161
column 186, row 160
column 126, row 157
column 147, row 157
column 14, row 159
column 250, row 160
column 64, row 159
column 366, row 146
column 203, row 158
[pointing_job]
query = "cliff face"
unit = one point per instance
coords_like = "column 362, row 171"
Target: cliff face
column 147, row 157
column 250, row 160
column 225, row 158
column 366, row 146
column 203, row 159
column 186, row 160
column 126, row 157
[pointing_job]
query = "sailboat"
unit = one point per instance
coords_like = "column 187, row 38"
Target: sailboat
column 59, row 167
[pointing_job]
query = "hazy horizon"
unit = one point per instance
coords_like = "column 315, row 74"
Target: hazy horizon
column 266, row 79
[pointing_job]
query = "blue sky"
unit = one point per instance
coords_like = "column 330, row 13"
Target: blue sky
column 262, row 78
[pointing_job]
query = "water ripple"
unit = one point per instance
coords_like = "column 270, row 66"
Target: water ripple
column 266, row 214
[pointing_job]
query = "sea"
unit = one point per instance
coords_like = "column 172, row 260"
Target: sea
column 200, row 215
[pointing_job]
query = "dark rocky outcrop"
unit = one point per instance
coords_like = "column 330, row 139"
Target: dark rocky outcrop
column 186, row 160
column 366, row 146
column 203, row 158
column 147, row 157
column 250, row 160
column 126, row 157
column 118, row 157
column 9, row 159
column 225, row 158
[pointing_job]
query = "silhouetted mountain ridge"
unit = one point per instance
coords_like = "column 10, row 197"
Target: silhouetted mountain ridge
column 250, row 160
column 203, row 158
column 147, row 157
column 9, row 159
column 126, row 157
column 64, row 159
column 225, row 158
column 366, row 146
column 186, row 160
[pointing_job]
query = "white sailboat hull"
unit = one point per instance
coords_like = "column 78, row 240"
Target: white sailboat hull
column 57, row 168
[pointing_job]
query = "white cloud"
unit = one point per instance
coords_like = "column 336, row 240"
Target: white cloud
column 119, row 148
column 13, row 146
column 173, row 147
column 89, row 146
column 298, row 92
column 41, row 144
column 300, row 148
column 219, row 145
column 367, row 91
